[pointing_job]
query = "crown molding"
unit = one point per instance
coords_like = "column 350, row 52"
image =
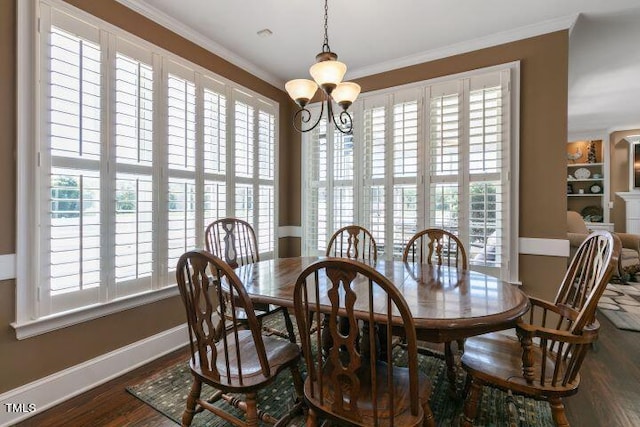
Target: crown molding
column 557, row 24
column 169, row 22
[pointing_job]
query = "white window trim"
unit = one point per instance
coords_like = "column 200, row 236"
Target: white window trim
column 27, row 131
column 512, row 269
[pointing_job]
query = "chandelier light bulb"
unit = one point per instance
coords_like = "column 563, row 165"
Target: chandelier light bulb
column 328, row 74
column 345, row 94
column 301, row 90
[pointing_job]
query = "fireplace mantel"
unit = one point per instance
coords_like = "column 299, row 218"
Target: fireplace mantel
column 632, row 204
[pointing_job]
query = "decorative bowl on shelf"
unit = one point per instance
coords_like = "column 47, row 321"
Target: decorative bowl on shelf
column 582, row 173
column 597, row 176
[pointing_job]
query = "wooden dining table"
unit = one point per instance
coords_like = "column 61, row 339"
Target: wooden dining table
column 446, row 303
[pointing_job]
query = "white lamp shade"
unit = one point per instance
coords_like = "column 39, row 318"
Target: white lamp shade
column 346, row 92
column 328, row 72
column 301, row 89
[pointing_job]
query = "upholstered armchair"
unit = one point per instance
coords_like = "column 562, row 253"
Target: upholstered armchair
column 577, row 231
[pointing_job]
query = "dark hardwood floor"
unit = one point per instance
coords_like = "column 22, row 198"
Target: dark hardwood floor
column 609, row 394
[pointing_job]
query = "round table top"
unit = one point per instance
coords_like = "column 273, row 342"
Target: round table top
column 446, row 303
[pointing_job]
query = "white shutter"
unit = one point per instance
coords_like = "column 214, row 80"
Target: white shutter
column 445, row 157
column 488, row 205
column 266, row 179
column 181, row 155
column 215, row 152
column 404, row 173
column 375, row 171
column 134, row 253
column 314, row 195
column 244, row 138
column 70, row 164
column 343, row 184
column 139, row 151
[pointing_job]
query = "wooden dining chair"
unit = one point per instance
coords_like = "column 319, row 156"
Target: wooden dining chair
column 544, row 361
column 436, row 246
column 229, row 357
column 234, row 241
column 351, row 385
column 353, row 242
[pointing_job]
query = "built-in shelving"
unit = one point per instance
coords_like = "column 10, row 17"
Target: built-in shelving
column 580, row 197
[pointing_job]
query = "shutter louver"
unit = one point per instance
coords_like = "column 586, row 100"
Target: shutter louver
column 73, row 180
column 134, row 176
column 244, row 141
column 405, row 171
column 444, row 162
column 375, row 173
column 343, row 166
column 486, row 218
column 215, row 156
column 266, row 191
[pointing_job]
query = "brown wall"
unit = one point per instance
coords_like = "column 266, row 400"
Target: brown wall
column 542, row 184
column 619, row 176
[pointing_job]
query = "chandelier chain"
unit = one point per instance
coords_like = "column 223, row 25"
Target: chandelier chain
column 325, row 46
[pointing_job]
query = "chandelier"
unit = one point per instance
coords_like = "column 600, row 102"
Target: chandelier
column 327, row 73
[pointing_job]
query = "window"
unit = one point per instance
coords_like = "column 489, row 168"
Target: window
column 139, row 150
column 434, row 154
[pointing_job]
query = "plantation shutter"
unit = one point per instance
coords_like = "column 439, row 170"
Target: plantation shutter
column 404, row 170
column 374, row 209
column 446, row 171
column 181, row 160
column 489, row 171
column 70, row 165
column 469, row 168
column 134, row 201
column 330, row 196
column 266, row 181
column 315, row 197
column 254, row 165
column 215, row 150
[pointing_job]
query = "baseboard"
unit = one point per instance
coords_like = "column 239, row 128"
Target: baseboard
column 30, row 399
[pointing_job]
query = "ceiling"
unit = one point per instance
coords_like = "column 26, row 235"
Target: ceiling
column 375, row 36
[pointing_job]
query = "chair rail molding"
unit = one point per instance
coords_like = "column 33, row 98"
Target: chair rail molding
column 7, row 266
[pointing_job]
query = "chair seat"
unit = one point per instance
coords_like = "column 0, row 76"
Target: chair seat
column 496, row 359
column 280, row 354
column 400, row 396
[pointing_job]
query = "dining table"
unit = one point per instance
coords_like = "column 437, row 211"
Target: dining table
column 446, row 303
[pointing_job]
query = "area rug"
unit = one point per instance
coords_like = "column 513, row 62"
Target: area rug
column 167, row 392
column 620, row 303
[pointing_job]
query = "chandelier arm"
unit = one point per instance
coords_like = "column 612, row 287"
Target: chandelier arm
column 346, row 122
column 305, row 117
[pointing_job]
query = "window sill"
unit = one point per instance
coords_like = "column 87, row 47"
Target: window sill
column 43, row 325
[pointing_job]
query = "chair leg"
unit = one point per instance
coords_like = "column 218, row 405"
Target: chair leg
column 428, row 421
column 557, row 412
column 451, row 369
column 297, row 383
column 312, row 418
column 251, row 402
column 289, row 325
column 471, row 403
column 194, row 395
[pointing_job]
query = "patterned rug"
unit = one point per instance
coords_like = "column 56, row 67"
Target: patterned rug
column 167, row 392
column 620, row 303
